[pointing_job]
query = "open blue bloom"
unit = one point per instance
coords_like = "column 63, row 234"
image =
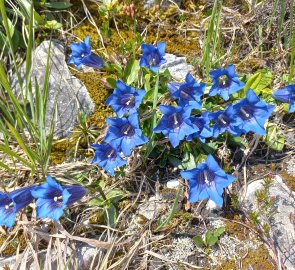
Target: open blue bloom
column 124, row 133
column 107, row 157
column 225, row 82
column 13, row 202
column 153, row 56
column 188, row 93
column 207, row 181
column 125, row 99
column 82, row 55
column 225, row 121
column 286, row 95
column 52, row 198
column 202, row 127
column 252, row 113
column 175, row 123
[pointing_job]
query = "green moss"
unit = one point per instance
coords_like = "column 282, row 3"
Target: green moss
column 98, row 93
column 256, row 259
column 289, row 180
column 18, row 241
column 235, row 229
column 59, row 151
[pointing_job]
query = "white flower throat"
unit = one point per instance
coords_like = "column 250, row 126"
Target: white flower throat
column 7, row 206
column 243, row 111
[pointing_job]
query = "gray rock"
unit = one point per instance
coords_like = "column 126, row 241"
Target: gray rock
column 290, row 166
column 70, row 92
column 282, row 226
column 164, row 4
column 177, row 66
column 152, row 208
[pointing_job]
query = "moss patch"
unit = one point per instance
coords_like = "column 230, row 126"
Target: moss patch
column 256, row 259
column 288, row 179
column 98, row 93
column 18, row 241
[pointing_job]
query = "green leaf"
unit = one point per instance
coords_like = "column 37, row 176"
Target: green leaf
column 112, row 82
column 274, row 137
column 175, row 161
column 53, row 25
column 210, row 239
column 198, row 241
column 111, row 215
column 97, row 202
column 115, row 195
column 219, row 231
column 58, row 5
column 131, row 71
column 147, row 82
column 188, row 161
column 259, row 82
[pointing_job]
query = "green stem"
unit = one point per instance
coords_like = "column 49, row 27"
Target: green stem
column 171, row 214
column 150, row 144
column 155, row 102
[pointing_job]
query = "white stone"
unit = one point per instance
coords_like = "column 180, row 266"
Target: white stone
column 173, row 184
column 282, row 229
column 177, row 66
column 71, row 93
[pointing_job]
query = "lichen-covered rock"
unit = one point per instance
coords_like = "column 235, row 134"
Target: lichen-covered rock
column 70, row 93
column 177, row 66
column 282, row 226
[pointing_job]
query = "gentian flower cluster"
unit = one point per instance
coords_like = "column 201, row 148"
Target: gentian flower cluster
column 124, row 132
column 286, row 95
column 52, row 199
column 82, row 55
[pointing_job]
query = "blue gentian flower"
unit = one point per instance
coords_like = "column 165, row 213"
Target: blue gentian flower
column 175, row 123
column 107, row 157
column 188, row 93
column 13, row 202
column 82, row 55
column 225, row 121
column 153, row 56
column 202, row 127
column 125, row 99
column 207, row 181
column 286, row 95
column 124, row 133
column 252, row 113
column 225, row 82
column 53, row 198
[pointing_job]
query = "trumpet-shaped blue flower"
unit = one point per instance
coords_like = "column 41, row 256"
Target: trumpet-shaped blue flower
column 53, row 198
column 207, row 181
column 107, row 157
column 13, row 202
column 125, row 99
column 252, row 113
column 175, row 123
column 202, row 127
column 124, row 133
column 225, row 82
column 188, row 93
column 225, row 121
column 153, row 56
column 82, row 55
column 286, row 95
